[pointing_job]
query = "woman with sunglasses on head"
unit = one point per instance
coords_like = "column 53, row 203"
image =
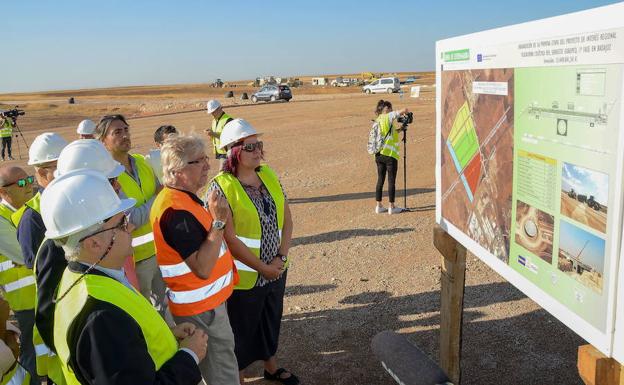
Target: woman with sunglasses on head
column 259, row 237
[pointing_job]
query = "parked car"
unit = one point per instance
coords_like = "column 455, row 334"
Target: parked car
column 388, row 85
column 272, row 92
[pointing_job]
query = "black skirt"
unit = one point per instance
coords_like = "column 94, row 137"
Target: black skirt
column 256, row 316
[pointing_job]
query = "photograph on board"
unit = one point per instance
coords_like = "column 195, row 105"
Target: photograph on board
column 534, row 230
column 584, row 196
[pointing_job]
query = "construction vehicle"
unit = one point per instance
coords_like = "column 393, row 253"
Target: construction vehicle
column 581, row 198
column 591, row 202
column 572, row 193
column 217, row 84
column 294, row 82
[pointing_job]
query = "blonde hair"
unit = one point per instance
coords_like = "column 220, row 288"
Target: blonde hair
column 177, row 151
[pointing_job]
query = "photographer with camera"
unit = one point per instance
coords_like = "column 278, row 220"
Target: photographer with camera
column 387, row 159
column 6, row 133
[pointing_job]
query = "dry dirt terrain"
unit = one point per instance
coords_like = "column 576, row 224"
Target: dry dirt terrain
column 355, row 273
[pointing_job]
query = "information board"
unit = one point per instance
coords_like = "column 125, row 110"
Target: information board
column 530, row 159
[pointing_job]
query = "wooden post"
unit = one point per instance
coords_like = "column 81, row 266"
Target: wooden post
column 452, row 301
column 597, row 369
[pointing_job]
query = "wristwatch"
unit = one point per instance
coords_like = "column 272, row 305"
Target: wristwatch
column 218, row 225
column 283, row 257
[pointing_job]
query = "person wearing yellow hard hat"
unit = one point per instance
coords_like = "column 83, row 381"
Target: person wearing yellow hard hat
column 105, row 332
column 259, row 238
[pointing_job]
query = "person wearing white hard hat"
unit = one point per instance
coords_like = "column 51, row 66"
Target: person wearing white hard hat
column 138, row 181
column 105, row 332
column 193, row 257
column 18, row 282
column 82, row 154
column 42, row 154
column 259, row 237
column 85, row 129
column 219, row 120
column 153, row 157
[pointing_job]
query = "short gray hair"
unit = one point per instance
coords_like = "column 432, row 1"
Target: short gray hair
column 72, row 246
column 177, row 151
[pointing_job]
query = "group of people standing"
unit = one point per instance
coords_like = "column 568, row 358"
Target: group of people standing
column 132, row 269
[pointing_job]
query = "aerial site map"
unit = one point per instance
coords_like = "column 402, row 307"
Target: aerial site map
column 477, row 155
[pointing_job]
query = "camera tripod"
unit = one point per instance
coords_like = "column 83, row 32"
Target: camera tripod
column 404, row 140
column 18, row 135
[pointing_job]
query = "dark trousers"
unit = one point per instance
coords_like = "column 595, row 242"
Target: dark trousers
column 389, row 165
column 6, row 143
column 26, row 323
column 256, row 316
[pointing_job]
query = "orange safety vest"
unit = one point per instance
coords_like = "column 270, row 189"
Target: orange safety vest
column 188, row 294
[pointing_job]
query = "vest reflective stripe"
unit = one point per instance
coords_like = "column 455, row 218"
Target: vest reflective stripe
column 245, row 217
column 141, row 238
column 391, row 144
column 16, row 376
column 20, row 283
column 249, row 242
column 188, row 293
column 168, row 271
column 192, row 296
column 6, row 265
column 217, row 126
column 42, row 350
column 16, row 280
column 160, row 342
column 242, row 267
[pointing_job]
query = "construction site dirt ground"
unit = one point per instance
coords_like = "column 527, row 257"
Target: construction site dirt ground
column 354, row 273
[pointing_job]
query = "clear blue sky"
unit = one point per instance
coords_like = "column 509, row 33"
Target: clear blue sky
column 82, row 44
column 572, row 240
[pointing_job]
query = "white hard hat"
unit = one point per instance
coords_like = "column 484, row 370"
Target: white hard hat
column 87, row 154
column 212, row 106
column 45, row 148
column 86, row 127
column 236, row 130
column 78, row 200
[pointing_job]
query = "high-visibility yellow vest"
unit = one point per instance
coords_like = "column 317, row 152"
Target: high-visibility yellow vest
column 34, row 203
column 6, row 131
column 161, row 344
column 16, row 376
column 246, row 220
column 142, row 237
column 217, row 127
column 17, row 281
column 391, row 144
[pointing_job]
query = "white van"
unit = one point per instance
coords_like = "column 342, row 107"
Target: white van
column 387, row 85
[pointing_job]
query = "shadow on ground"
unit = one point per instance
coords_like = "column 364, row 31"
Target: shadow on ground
column 355, row 196
column 340, row 235
column 532, row 348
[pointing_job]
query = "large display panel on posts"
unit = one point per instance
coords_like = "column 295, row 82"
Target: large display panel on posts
column 530, row 153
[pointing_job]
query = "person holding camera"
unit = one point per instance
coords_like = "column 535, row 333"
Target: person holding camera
column 6, row 133
column 387, row 159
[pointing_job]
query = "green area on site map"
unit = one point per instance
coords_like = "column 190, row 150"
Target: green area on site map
column 463, row 136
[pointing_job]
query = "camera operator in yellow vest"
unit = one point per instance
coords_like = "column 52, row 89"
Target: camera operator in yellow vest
column 6, row 133
column 139, row 182
column 219, row 120
column 105, row 332
column 16, row 280
column 259, row 238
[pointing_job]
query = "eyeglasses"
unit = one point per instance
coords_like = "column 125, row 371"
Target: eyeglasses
column 200, row 160
column 250, row 147
column 122, row 225
column 22, row 182
column 112, row 180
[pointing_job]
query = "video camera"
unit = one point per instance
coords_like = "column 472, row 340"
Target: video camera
column 13, row 114
column 406, row 119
